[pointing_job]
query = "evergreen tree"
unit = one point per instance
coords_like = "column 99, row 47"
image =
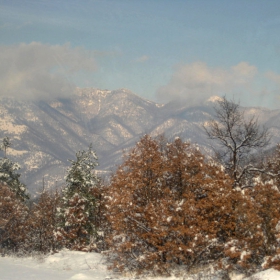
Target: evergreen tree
column 6, row 143
column 9, row 174
column 77, row 228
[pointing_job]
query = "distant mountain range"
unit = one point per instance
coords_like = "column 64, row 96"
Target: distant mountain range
column 45, row 134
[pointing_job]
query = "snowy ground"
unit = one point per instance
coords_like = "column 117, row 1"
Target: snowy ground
column 80, row 266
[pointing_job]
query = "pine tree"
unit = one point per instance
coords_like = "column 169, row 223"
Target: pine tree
column 78, row 211
column 6, row 143
column 9, row 174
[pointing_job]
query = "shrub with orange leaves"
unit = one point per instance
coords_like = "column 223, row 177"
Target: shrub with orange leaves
column 168, row 205
column 13, row 216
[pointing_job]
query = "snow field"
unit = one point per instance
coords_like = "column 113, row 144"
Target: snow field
column 72, row 265
column 61, row 266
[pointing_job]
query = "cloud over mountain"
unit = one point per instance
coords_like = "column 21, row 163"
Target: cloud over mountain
column 197, row 81
column 36, row 70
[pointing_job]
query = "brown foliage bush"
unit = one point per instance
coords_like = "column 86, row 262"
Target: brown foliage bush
column 267, row 207
column 42, row 223
column 13, row 216
column 168, row 205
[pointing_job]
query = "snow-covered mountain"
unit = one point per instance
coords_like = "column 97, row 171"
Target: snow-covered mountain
column 45, row 134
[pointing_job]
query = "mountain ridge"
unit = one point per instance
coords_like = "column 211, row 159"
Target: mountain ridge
column 45, row 134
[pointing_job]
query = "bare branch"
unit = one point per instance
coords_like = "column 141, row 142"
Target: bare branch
column 237, row 138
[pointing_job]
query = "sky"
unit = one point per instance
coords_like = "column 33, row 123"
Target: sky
column 161, row 50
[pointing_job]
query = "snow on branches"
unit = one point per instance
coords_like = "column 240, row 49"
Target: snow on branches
column 9, row 174
column 77, row 228
column 168, row 205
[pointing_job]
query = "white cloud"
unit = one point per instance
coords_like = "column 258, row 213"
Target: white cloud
column 274, row 77
column 142, row 58
column 42, row 71
column 196, row 82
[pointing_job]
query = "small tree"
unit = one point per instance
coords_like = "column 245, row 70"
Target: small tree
column 267, row 204
column 238, row 139
column 9, row 175
column 42, row 223
column 79, row 207
column 207, row 213
column 13, row 215
column 136, row 201
column 6, row 143
column 271, row 167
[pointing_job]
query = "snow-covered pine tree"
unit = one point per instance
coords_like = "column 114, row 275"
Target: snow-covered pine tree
column 77, row 230
column 9, row 174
